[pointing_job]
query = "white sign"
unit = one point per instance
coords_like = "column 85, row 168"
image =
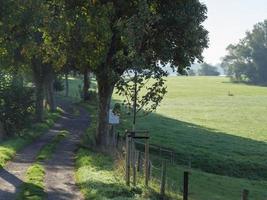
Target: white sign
column 113, row 119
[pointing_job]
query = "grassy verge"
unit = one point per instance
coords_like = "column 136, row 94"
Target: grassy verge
column 101, row 176
column 97, row 179
column 9, row 147
column 33, row 188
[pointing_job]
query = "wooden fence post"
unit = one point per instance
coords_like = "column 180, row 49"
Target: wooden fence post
column 185, row 191
column 117, row 140
column 133, row 162
column 146, row 162
column 150, row 165
column 245, row 194
column 127, row 178
column 163, row 180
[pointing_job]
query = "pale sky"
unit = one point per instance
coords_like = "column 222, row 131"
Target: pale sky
column 227, row 22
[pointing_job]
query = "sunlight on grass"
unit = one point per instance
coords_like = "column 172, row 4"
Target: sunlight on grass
column 9, row 147
column 48, row 150
column 33, row 188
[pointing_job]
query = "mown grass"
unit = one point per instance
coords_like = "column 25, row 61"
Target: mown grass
column 33, row 187
column 9, row 147
column 218, row 133
column 203, row 186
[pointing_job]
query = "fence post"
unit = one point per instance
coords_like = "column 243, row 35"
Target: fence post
column 127, row 160
column 117, row 140
column 163, row 180
column 185, row 191
column 134, row 162
column 245, row 194
column 146, row 161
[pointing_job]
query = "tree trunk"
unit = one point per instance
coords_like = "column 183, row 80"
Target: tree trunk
column 2, row 131
column 66, row 84
column 86, row 85
column 105, row 91
column 49, row 82
column 50, row 96
column 39, row 107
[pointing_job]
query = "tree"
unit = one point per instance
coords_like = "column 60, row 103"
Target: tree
column 106, row 37
column 208, row 70
column 191, row 72
column 246, row 61
column 143, row 36
column 33, row 40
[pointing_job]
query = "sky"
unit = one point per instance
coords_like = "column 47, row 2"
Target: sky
column 227, row 22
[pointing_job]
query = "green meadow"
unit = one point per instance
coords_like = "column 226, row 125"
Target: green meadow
column 216, row 125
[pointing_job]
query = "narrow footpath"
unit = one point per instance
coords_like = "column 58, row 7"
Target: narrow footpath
column 59, row 179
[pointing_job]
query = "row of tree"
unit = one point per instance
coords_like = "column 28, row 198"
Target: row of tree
column 247, row 60
column 109, row 38
column 203, row 69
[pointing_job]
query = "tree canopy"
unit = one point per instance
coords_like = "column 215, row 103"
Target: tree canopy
column 110, row 38
column 208, row 70
column 247, row 61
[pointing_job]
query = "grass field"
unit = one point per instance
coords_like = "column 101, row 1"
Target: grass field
column 220, row 133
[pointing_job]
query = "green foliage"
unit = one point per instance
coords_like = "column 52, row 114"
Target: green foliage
column 147, row 89
column 208, row 70
column 109, row 38
column 246, row 61
column 16, row 104
column 116, row 109
column 90, row 134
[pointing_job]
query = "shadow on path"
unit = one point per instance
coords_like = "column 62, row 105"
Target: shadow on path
column 59, row 179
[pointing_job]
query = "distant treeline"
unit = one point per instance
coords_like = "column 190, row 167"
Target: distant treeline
column 247, row 60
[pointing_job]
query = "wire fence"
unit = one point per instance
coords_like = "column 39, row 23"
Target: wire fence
column 174, row 182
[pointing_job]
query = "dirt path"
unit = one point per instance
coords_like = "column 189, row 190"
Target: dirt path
column 59, row 179
column 11, row 177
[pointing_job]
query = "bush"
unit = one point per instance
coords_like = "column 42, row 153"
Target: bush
column 16, row 104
